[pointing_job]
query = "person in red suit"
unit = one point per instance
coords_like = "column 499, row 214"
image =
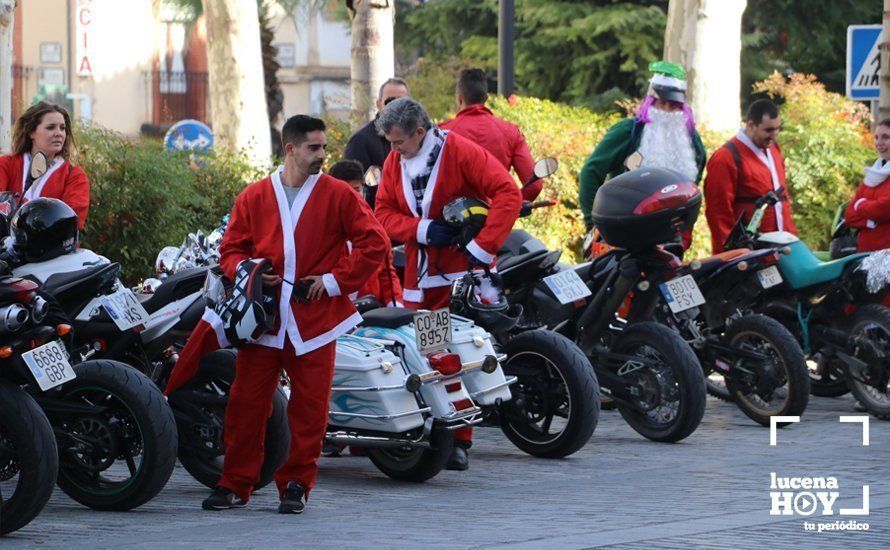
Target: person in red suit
column 744, row 169
column 384, row 285
column 46, row 128
column 502, row 139
column 869, row 211
column 428, row 168
column 301, row 220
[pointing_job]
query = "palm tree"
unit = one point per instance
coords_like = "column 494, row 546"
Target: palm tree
column 6, row 20
column 373, row 54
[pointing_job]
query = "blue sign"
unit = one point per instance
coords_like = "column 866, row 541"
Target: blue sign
column 189, row 135
column 863, row 62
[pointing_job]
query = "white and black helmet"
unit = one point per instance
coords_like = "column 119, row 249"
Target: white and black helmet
column 247, row 309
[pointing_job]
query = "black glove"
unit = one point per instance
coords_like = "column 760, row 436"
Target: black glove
column 440, row 233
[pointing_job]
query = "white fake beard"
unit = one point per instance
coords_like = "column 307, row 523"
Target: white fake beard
column 666, row 143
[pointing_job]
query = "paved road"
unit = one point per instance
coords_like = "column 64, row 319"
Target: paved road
column 711, row 491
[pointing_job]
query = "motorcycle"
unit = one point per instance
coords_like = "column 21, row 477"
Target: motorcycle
column 29, row 457
column 834, row 310
column 647, row 369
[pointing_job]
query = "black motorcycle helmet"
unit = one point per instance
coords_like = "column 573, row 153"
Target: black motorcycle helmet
column 44, row 229
column 493, row 315
column 468, row 215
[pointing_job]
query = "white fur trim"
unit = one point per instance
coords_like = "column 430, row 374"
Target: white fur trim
column 216, row 323
column 412, row 295
column 479, row 253
column 870, row 224
column 858, row 203
column 37, row 186
column 422, row 229
column 767, row 159
column 876, row 174
column 330, row 284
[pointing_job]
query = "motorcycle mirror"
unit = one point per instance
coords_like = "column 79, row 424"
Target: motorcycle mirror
column 38, row 165
column 166, row 260
column 372, row 176
column 546, row 167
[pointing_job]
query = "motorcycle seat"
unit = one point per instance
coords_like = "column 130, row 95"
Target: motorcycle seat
column 388, row 317
column 177, row 286
column 715, row 262
column 802, row 268
column 510, row 262
column 60, row 282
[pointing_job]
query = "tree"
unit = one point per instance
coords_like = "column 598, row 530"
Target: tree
column 373, row 53
column 705, row 37
column 6, row 26
column 237, row 91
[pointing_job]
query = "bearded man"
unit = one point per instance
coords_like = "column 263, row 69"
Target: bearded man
column 661, row 135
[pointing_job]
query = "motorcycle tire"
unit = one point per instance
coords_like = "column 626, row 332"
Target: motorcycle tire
column 775, row 341
column 215, row 375
column 548, row 364
column 414, row 464
column 137, row 422
column 715, row 384
column 27, row 452
column 661, row 343
column 872, row 388
column 832, row 382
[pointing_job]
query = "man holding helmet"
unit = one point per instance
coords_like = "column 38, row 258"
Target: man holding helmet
column 300, row 220
column 427, row 169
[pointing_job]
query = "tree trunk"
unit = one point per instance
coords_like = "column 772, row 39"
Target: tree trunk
column 373, row 57
column 705, row 36
column 7, row 8
column 237, row 91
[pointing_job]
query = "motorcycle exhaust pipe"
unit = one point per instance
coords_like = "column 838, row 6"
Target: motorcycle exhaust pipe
column 13, row 317
column 39, row 309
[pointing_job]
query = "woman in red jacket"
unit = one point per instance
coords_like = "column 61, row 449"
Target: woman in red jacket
column 869, row 211
column 45, row 128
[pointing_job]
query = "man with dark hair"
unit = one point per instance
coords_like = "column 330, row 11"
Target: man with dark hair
column 744, row 169
column 297, row 212
column 502, row 139
column 349, row 171
column 366, row 145
column 427, row 169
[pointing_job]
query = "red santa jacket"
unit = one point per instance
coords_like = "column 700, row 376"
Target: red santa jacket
column 62, row 181
column 384, row 284
column 729, row 194
column 463, row 169
column 500, row 138
column 869, row 211
column 308, row 238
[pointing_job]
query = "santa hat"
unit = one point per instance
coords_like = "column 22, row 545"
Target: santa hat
column 668, row 81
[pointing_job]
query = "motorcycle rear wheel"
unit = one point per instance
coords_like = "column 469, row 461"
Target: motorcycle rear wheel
column 414, row 464
column 872, row 388
column 202, row 455
column 555, row 380
column 29, row 459
column 791, row 381
column 137, row 425
column 678, row 383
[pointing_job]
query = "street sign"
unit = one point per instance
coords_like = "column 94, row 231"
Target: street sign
column 863, row 62
column 189, row 135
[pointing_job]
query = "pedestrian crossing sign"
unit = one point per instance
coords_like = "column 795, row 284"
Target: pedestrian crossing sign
column 863, row 62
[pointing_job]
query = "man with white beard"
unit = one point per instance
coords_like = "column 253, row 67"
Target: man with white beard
column 662, row 135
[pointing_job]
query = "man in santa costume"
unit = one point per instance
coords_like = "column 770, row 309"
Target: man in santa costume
column 426, row 169
column 745, row 169
column 661, row 135
column 502, row 139
column 300, row 219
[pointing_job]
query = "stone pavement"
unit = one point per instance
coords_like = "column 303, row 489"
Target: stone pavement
column 710, row 491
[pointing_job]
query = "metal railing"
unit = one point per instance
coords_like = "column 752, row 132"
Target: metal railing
column 177, row 95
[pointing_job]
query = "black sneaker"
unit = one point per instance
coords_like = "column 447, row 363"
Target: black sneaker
column 294, row 499
column 223, row 499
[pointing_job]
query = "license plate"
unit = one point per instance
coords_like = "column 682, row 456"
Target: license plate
column 49, row 365
column 125, row 309
column 567, row 286
column 769, row 277
column 681, row 293
column 432, row 329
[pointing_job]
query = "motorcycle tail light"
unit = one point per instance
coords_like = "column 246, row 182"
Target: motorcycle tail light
column 463, row 404
column 445, row 363
column 453, row 387
column 770, row 259
column 63, row 329
column 5, row 352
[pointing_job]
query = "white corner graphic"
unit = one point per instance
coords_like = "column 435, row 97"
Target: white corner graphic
column 864, row 420
column 773, row 420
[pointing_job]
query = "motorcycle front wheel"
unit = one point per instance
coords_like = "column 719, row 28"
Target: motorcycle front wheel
column 29, row 460
column 556, row 398
column 872, row 385
column 120, row 451
column 672, row 396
